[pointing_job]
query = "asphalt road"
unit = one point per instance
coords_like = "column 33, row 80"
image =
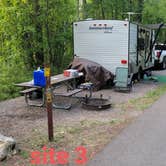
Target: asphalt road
column 143, row 143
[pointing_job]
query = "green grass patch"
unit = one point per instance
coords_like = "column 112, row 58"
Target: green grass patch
column 24, row 154
column 146, row 101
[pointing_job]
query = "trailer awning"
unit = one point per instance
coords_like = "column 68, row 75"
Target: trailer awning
column 156, row 26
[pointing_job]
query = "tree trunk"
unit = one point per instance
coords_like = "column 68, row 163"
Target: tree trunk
column 102, row 9
column 84, row 12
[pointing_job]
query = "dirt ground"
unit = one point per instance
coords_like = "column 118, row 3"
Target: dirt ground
column 25, row 124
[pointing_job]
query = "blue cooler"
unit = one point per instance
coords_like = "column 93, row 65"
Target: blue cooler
column 39, row 78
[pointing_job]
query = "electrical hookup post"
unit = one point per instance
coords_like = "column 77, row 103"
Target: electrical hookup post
column 48, row 94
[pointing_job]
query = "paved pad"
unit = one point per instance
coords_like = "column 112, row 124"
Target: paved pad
column 143, row 143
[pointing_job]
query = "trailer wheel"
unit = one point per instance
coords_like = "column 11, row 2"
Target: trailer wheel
column 164, row 63
column 140, row 74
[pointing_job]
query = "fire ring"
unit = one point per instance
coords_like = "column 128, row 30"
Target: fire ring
column 96, row 104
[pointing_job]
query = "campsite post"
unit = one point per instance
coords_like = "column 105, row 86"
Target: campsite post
column 48, row 95
column 47, row 73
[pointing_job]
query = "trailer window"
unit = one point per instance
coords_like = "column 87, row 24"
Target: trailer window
column 147, row 41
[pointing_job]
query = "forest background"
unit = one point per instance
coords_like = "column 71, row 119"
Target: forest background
column 31, row 30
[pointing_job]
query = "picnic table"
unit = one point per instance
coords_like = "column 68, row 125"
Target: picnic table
column 56, row 80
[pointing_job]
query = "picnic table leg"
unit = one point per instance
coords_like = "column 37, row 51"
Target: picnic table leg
column 71, row 84
column 26, row 98
column 26, row 95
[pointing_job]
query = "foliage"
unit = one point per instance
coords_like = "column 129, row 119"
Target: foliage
column 22, row 38
column 154, row 12
column 114, row 9
column 11, row 59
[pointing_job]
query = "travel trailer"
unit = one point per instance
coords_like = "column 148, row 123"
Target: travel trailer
column 115, row 44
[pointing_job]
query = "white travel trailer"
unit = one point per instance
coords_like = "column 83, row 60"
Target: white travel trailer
column 114, row 44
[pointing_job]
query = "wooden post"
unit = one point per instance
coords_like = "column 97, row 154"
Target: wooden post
column 48, row 91
column 47, row 72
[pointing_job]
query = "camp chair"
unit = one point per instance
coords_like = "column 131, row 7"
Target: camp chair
column 123, row 82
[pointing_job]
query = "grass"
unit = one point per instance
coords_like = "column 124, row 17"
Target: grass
column 144, row 102
column 24, row 154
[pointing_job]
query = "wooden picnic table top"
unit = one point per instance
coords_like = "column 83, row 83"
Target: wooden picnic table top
column 56, row 79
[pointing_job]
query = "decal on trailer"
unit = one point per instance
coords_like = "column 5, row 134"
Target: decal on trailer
column 105, row 27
